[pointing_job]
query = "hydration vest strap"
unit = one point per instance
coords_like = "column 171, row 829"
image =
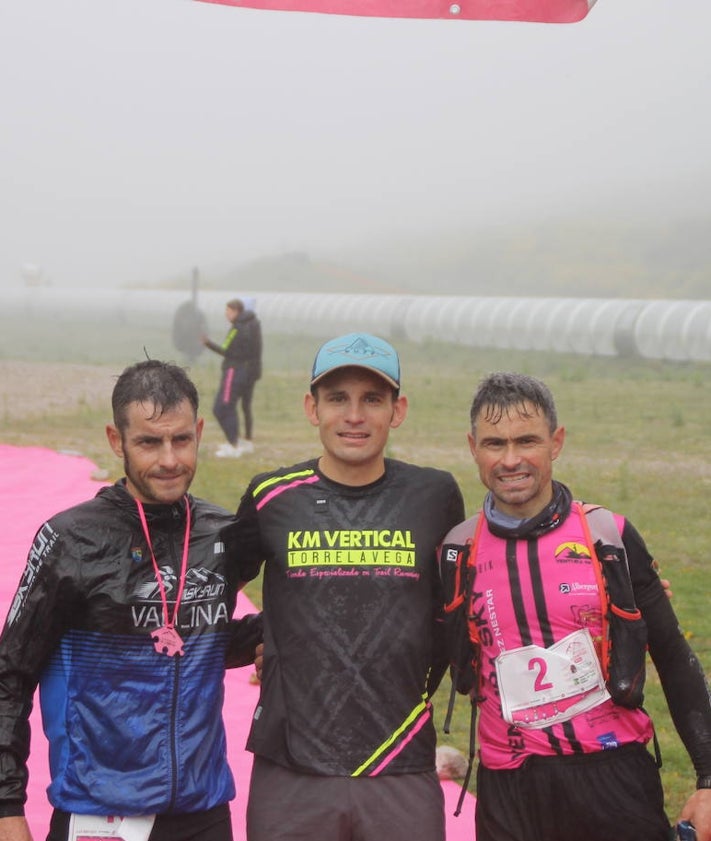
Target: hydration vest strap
column 472, row 750
column 602, row 589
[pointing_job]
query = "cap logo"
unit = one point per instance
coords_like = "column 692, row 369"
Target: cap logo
column 360, row 348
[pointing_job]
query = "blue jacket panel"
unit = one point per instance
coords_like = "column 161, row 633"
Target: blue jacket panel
column 131, row 730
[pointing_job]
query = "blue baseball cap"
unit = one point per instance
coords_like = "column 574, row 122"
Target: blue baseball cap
column 358, row 350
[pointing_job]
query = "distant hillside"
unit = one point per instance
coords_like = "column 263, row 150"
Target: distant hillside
column 568, row 258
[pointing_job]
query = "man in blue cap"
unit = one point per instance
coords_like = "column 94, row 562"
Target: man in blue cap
column 343, row 737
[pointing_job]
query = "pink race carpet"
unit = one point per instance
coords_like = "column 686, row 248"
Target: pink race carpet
column 36, row 483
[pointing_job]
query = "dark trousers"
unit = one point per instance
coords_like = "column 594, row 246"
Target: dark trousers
column 211, row 825
column 613, row 795
column 236, row 386
column 285, row 805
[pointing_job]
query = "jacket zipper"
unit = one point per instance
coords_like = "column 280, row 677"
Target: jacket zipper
column 174, row 736
column 176, row 690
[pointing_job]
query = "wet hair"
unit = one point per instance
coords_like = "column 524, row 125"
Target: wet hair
column 162, row 383
column 499, row 393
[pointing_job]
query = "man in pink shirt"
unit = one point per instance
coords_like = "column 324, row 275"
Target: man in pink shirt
column 563, row 745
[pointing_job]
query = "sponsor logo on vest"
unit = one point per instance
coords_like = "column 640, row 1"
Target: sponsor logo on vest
column 577, row 587
column 493, row 620
column 572, row 553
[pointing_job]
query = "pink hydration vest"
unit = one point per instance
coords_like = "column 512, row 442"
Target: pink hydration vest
column 537, row 592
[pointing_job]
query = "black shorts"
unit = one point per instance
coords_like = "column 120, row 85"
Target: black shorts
column 288, row 806
column 211, row 825
column 613, row 795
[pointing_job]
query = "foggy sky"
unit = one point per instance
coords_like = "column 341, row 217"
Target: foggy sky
column 143, row 137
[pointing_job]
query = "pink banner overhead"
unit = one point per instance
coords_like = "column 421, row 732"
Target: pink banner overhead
column 540, row 11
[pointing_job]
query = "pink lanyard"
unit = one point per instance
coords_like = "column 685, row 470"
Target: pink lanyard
column 167, row 639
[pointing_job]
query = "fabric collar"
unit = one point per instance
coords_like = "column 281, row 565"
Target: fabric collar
column 551, row 517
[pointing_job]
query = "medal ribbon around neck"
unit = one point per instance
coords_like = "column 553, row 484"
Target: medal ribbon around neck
column 166, row 639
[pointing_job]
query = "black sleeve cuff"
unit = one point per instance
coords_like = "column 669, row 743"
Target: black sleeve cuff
column 12, row 809
column 245, row 635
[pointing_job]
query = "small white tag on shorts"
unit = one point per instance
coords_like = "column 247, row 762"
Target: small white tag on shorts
column 98, row 827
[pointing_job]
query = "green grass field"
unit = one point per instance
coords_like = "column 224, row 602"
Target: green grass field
column 638, row 441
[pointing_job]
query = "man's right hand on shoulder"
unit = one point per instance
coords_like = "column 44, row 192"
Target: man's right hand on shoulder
column 14, row 828
column 259, row 660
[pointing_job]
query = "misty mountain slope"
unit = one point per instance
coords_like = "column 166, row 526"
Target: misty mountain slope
column 579, row 257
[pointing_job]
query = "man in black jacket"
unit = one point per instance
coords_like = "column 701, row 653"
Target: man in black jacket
column 123, row 618
column 241, row 353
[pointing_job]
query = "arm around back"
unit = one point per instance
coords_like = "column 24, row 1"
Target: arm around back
column 14, row 829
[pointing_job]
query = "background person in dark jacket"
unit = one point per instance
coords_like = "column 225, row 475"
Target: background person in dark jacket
column 241, row 368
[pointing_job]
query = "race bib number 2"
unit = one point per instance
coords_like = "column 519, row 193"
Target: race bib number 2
column 543, row 686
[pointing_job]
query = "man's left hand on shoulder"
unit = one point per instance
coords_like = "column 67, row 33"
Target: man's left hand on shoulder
column 697, row 810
